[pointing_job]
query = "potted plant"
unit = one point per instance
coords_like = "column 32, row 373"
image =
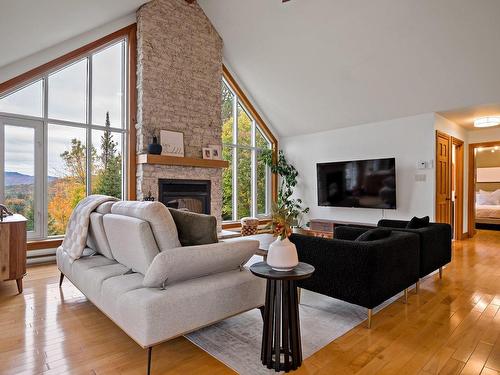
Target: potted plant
column 282, row 254
column 288, row 180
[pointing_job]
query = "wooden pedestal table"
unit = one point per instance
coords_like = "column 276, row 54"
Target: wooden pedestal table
column 281, row 347
column 13, row 249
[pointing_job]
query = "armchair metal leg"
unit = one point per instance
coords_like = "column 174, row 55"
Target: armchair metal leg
column 370, row 313
column 61, row 278
column 150, row 349
column 440, row 272
column 299, row 292
column 405, row 296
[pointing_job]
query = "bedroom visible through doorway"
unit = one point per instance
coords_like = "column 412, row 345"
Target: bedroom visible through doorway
column 484, row 186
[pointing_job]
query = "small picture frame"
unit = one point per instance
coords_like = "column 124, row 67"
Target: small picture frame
column 207, row 153
column 216, row 152
column 172, row 143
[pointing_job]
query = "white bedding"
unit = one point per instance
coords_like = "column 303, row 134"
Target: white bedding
column 487, row 211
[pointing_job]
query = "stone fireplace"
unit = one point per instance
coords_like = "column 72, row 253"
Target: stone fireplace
column 179, row 71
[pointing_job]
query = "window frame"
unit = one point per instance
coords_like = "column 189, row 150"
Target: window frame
column 38, row 190
column 272, row 182
column 126, row 129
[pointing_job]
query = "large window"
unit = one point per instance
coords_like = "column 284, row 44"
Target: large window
column 62, row 137
column 247, row 182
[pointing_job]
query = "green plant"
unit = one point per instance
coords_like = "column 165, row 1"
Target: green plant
column 288, row 180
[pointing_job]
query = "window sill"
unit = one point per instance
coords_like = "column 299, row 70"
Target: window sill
column 44, row 244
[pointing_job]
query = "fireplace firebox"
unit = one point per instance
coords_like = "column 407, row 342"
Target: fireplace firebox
column 191, row 195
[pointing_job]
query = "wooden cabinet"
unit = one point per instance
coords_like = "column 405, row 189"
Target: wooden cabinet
column 13, row 249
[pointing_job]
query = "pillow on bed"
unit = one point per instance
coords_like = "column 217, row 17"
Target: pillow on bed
column 495, row 196
column 487, row 198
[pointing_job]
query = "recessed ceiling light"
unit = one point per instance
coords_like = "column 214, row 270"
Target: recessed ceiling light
column 485, row 122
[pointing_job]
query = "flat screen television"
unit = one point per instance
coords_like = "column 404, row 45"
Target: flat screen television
column 358, row 183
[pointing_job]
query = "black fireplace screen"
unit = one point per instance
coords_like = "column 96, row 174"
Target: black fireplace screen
column 191, row 195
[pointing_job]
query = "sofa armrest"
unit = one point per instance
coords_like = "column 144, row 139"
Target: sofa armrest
column 348, row 233
column 190, row 262
column 396, row 265
column 387, row 223
column 342, row 268
column 365, row 273
column 193, row 228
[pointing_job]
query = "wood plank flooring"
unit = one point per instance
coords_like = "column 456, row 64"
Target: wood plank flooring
column 451, row 327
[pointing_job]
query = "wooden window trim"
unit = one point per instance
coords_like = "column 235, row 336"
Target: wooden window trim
column 260, row 122
column 131, row 33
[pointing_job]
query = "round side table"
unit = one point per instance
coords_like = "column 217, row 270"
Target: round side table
column 281, row 347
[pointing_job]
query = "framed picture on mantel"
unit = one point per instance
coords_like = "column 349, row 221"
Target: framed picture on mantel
column 172, row 143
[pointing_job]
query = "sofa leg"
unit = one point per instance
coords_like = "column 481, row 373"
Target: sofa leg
column 405, row 296
column 150, row 349
column 369, row 322
column 417, row 287
column 61, row 278
column 440, row 272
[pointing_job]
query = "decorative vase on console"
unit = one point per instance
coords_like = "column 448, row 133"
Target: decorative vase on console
column 282, row 254
column 154, row 148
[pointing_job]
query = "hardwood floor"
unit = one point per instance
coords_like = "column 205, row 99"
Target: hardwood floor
column 451, row 327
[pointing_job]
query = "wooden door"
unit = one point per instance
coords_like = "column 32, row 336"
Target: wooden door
column 443, row 178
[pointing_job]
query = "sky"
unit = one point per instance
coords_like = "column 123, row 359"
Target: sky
column 66, row 101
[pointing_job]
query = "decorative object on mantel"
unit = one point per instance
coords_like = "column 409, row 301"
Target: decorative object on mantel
column 172, row 143
column 282, row 254
column 216, row 152
column 288, row 175
column 4, row 212
column 249, row 226
column 207, row 153
column 155, row 148
column 149, row 197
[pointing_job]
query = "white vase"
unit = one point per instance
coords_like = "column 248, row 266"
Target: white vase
column 282, row 255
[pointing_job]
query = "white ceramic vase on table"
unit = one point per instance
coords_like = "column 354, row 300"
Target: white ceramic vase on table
column 282, row 255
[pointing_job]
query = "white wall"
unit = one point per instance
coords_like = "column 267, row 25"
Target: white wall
column 484, row 135
column 23, row 65
column 408, row 139
column 446, row 126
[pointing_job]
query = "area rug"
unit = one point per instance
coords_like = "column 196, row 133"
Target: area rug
column 236, row 341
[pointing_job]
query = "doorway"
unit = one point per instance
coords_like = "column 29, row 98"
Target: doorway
column 450, row 182
column 482, row 184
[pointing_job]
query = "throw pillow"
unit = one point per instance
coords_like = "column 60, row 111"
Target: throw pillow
column 194, row 229
column 374, row 234
column 418, row 222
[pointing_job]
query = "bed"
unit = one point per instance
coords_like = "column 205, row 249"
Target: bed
column 488, row 207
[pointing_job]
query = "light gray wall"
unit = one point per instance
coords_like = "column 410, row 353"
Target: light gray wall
column 408, row 139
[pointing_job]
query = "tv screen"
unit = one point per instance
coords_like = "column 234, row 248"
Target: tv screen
column 358, row 183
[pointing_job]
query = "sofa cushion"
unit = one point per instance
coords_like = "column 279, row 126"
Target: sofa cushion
column 131, row 241
column 194, row 229
column 151, row 315
column 96, row 238
column 158, row 217
column 374, row 234
column 191, row 262
column 417, row 223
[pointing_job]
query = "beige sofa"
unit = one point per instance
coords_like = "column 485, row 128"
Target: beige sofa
column 135, row 271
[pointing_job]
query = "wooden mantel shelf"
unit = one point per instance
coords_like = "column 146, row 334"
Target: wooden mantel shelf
column 185, row 162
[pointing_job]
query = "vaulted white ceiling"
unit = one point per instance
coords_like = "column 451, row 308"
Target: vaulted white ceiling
column 29, row 26
column 313, row 65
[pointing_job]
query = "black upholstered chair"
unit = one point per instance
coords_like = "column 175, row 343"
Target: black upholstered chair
column 365, row 273
column 435, row 244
